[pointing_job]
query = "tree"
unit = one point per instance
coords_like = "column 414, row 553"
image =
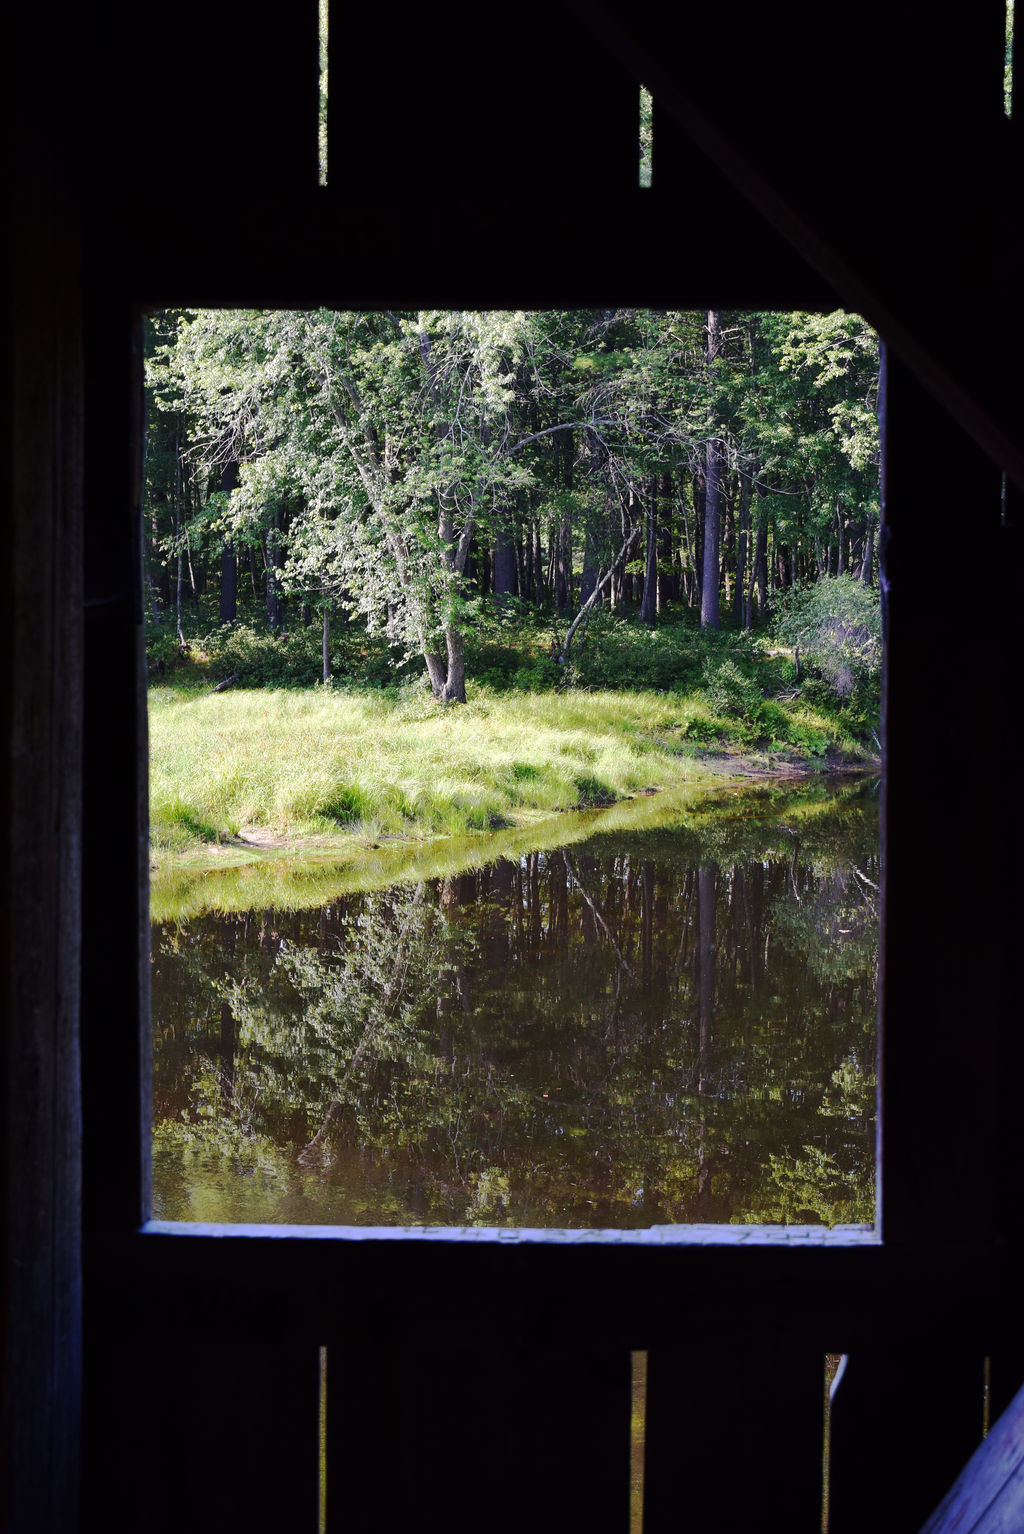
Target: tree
column 403, row 466
column 709, row 608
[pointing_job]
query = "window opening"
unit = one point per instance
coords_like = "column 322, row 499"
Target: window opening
column 646, row 137
column 1008, row 62
column 500, row 982
column 321, row 1516
column 322, row 113
column 637, row 1440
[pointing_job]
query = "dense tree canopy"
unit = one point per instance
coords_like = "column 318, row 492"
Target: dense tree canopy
column 402, row 468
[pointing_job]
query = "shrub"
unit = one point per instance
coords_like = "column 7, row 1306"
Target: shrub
column 615, row 652
column 837, row 625
column 729, row 691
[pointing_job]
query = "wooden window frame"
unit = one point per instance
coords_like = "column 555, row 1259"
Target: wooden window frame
column 912, row 1234
column 931, row 1278
column 112, row 212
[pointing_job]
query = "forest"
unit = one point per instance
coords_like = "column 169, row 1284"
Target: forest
column 425, row 592
column 673, row 502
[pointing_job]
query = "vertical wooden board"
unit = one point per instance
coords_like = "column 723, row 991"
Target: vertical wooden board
column 904, row 1423
column 448, row 113
column 41, row 414
column 115, row 968
column 1005, row 1376
column 219, row 97
column 442, row 1437
column 734, row 1440
column 682, row 171
column 945, row 973
column 182, row 1433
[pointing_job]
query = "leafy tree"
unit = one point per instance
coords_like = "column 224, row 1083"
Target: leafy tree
column 405, row 467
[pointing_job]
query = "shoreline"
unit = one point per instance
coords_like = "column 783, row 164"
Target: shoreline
column 351, row 846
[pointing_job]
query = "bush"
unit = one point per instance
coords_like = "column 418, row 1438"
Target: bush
column 729, row 691
column 617, row 653
column 837, row 625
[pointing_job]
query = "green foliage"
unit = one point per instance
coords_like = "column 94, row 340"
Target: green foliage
column 729, row 691
column 618, row 653
column 646, row 136
column 837, row 625
column 370, row 453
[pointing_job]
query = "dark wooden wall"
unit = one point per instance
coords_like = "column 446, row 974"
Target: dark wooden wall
column 488, row 1381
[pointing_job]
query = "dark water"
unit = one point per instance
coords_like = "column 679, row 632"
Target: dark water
column 672, row 1025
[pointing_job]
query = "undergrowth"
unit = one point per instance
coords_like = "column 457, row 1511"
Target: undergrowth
column 372, row 752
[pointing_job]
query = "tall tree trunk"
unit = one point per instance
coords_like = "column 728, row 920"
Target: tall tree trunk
column 504, row 558
column 447, row 672
column 591, row 566
column 649, row 602
column 591, row 545
column 840, row 560
column 560, row 559
column 228, row 558
column 326, row 645
column 869, row 549
column 709, row 600
column 537, row 561
column 728, row 537
column 699, row 480
column 709, row 603
column 761, row 558
column 563, row 562
column 177, row 537
column 740, row 615
column 275, row 559
column 667, row 589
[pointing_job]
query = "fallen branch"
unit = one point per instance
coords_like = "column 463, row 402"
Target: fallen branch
column 589, row 604
column 220, row 687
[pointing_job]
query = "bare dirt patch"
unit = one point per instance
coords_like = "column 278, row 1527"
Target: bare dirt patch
column 262, row 836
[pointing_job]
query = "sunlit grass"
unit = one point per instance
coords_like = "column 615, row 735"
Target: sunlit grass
column 312, row 765
column 307, row 764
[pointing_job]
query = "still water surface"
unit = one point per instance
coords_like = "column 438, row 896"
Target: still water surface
column 669, row 1024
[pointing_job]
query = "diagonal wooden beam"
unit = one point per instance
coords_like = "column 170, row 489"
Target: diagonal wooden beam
column 988, row 1497
column 928, row 216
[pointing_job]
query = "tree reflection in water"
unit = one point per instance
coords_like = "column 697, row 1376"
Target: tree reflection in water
column 670, row 1026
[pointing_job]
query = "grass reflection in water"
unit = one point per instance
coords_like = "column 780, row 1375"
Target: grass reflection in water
column 636, row 1027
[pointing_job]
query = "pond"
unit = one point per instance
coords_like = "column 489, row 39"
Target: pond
column 670, row 1017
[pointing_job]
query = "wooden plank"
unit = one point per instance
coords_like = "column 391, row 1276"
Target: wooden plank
column 451, row 118
column 185, row 1433
column 952, row 82
column 988, row 1496
column 437, row 1434
column 943, row 999
column 863, row 1294
column 734, row 1437
column 117, row 1113
column 41, row 416
column 1005, row 1371
column 230, row 105
column 904, row 1419
column 326, row 248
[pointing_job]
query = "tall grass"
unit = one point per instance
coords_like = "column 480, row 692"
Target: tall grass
column 310, row 763
column 322, row 763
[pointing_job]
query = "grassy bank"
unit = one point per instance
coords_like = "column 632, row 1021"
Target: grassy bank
column 281, row 879
column 264, row 766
